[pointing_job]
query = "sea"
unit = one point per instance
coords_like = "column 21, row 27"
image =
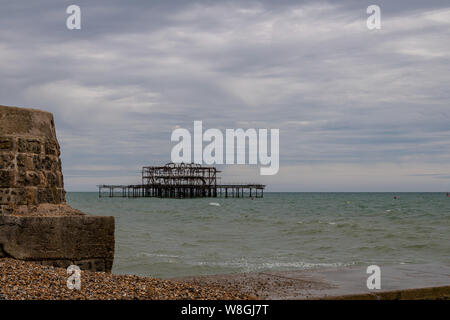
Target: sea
column 168, row 238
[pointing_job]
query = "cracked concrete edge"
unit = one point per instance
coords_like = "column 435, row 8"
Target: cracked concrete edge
column 431, row 293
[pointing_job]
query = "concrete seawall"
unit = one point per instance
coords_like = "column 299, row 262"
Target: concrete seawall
column 86, row 241
column 36, row 224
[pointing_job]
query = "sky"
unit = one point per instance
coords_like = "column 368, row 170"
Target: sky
column 357, row 109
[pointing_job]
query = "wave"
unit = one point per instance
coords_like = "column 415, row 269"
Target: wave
column 245, row 266
column 159, row 255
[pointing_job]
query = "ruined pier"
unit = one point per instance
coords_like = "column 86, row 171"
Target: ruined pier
column 182, row 181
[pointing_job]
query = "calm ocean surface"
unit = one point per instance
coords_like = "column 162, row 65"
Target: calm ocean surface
column 283, row 231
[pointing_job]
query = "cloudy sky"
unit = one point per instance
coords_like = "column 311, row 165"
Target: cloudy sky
column 357, row 109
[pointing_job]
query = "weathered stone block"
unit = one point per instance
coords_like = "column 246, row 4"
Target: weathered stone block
column 5, row 197
column 33, row 178
column 32, row 195
column 6, row 144
column 6, row 178
column 35, row 222
column 6, row 209
column 65, row 239
column 16, row 196
column 21, row 160
column 62, row 194
column 49, row 163
column 6, row 161
column 45, row 195
column 37, row 163
column 28, row 178
column 60, row 181
column 92, row 264
column 51, row 179
column 51, row 148
column 29, row 145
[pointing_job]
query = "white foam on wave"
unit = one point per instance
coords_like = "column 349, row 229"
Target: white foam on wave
column 160, row 255
column 245, row 266
column 214, row 204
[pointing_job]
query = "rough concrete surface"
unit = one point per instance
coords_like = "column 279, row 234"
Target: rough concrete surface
column 35, row 222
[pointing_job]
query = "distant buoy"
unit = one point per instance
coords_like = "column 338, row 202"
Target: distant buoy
column 347, row 202
column 395, row 197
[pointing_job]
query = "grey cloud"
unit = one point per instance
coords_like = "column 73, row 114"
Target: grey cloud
column 338, row 92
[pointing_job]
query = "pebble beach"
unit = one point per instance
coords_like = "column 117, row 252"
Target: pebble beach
column 22, row 280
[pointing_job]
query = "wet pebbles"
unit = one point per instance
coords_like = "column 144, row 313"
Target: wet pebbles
column 28, row 280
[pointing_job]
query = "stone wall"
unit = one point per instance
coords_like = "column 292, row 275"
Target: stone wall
column 35, row 221
column 30, row 168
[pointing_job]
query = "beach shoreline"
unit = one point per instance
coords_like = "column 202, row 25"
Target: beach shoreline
column 26, row 280
column 414, row 281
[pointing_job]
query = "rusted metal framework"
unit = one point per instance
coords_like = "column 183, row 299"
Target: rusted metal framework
column 182, row 174
column 182, row 181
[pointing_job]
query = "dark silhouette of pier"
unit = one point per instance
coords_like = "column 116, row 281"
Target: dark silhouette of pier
column 182, row 181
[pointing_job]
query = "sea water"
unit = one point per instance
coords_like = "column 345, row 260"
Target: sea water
column 282, row 231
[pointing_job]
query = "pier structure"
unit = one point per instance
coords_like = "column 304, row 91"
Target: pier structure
column 182, row 181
